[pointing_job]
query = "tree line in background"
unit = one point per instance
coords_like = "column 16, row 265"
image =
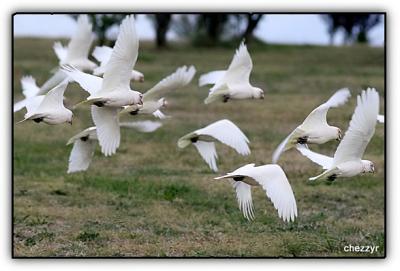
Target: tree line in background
column 210, row 29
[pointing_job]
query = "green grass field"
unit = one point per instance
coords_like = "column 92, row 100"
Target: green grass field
column 153, row 199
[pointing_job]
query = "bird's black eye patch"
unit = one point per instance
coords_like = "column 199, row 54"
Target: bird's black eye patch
column 84, row 138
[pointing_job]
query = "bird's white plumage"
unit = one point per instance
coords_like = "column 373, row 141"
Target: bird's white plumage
column 244, row 198
column 88, row 82
column 54, row 99
column 318, row 116
column 123, row 58
column 159, row 114
column 228, row 133
column 106, row 120
column 60, row 51
column 314, row 124
column 324, row 161
column 180, row 78
column 29, row 90
column 361, row 128
column 210, row 78
column 81, row 155
column 54, row 80
column 146, row 126
column 32, row 104
column 208, row 153
column 79, row 45
column 276, row 185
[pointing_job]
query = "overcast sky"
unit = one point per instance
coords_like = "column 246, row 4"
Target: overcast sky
column 274, row 28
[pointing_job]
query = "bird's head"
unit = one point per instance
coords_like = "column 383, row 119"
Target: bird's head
column 368, row 166
column 258, row 93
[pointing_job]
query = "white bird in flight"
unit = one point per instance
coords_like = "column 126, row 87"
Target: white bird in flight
column 347, row 161
column 85, row 143
column 224, row 131
column 233, row 83
column 29, row 90
column 314, row 129
column 75, row 54
column 109, row 94
column 274, row 182
column 154, row 100
column 49, row 108
column 103, row 55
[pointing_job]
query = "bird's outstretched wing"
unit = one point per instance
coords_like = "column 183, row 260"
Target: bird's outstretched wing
column 60, row 51
column 106, row 120
column 208, row 153
column 238, row 72
column 324, row 161
column 53, row 81
column 29, row 90
column 123, row 58
column 228, row 133
column 79, row 45
column 276, row 185
column 210, row 78
column 243, row 196
column 88, row 82
column 289, row 142
column 180, row 78
column 54, row 99
column 103, row 55
column 318, row 116
column 81, row 155
column 159, row 114
column 146, row 126
column 32, row 104
column 361, row 128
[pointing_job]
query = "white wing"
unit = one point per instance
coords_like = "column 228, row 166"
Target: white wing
column 19, row 105
column 239, row 70
column 276, row 185
column 208, row 153
column 123, row 58
column 178, row 79
column 324, row 161
column 32, row 104
column 54, row 99
column 107, row 126
column 243, row 195
column 228, row 133
column 81, row 155
column 381, row 118
column 101, row 54
column 361, row 129
column 318, row 116
column 29, row 87
column 60, row 51
column 53, row 81
column 160, row 115
column 90, row 132
column 79, row 45
column 146, row 126
column 210, row 78
column 287, row 144
column 88, row 82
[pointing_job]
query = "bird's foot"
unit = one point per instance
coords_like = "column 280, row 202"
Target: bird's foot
column 302, row 140
column 85, row 138
column 238, row 178
column 37, row 120
column 135, row 112
column 99, row 104
column 225, row 98
column 194, row 139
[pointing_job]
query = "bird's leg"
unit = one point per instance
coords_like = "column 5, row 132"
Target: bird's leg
column 99, row 104
column 194, row 139
column 332, row 177
column 37, row 120
column 85, row 138
column 238, row 178
column 225, row 98
column 302, row 140
column 135, row 112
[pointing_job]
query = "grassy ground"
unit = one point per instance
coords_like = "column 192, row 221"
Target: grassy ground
column 152, row 199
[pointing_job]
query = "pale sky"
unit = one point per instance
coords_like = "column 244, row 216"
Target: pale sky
column 273, row 28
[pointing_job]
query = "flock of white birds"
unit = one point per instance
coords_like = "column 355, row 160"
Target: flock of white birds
column 110, row 96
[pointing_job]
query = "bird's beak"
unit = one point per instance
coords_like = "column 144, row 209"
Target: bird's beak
column 339, row 136
column 70, row 122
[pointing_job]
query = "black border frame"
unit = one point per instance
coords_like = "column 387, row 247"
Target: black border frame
column 384, row 13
